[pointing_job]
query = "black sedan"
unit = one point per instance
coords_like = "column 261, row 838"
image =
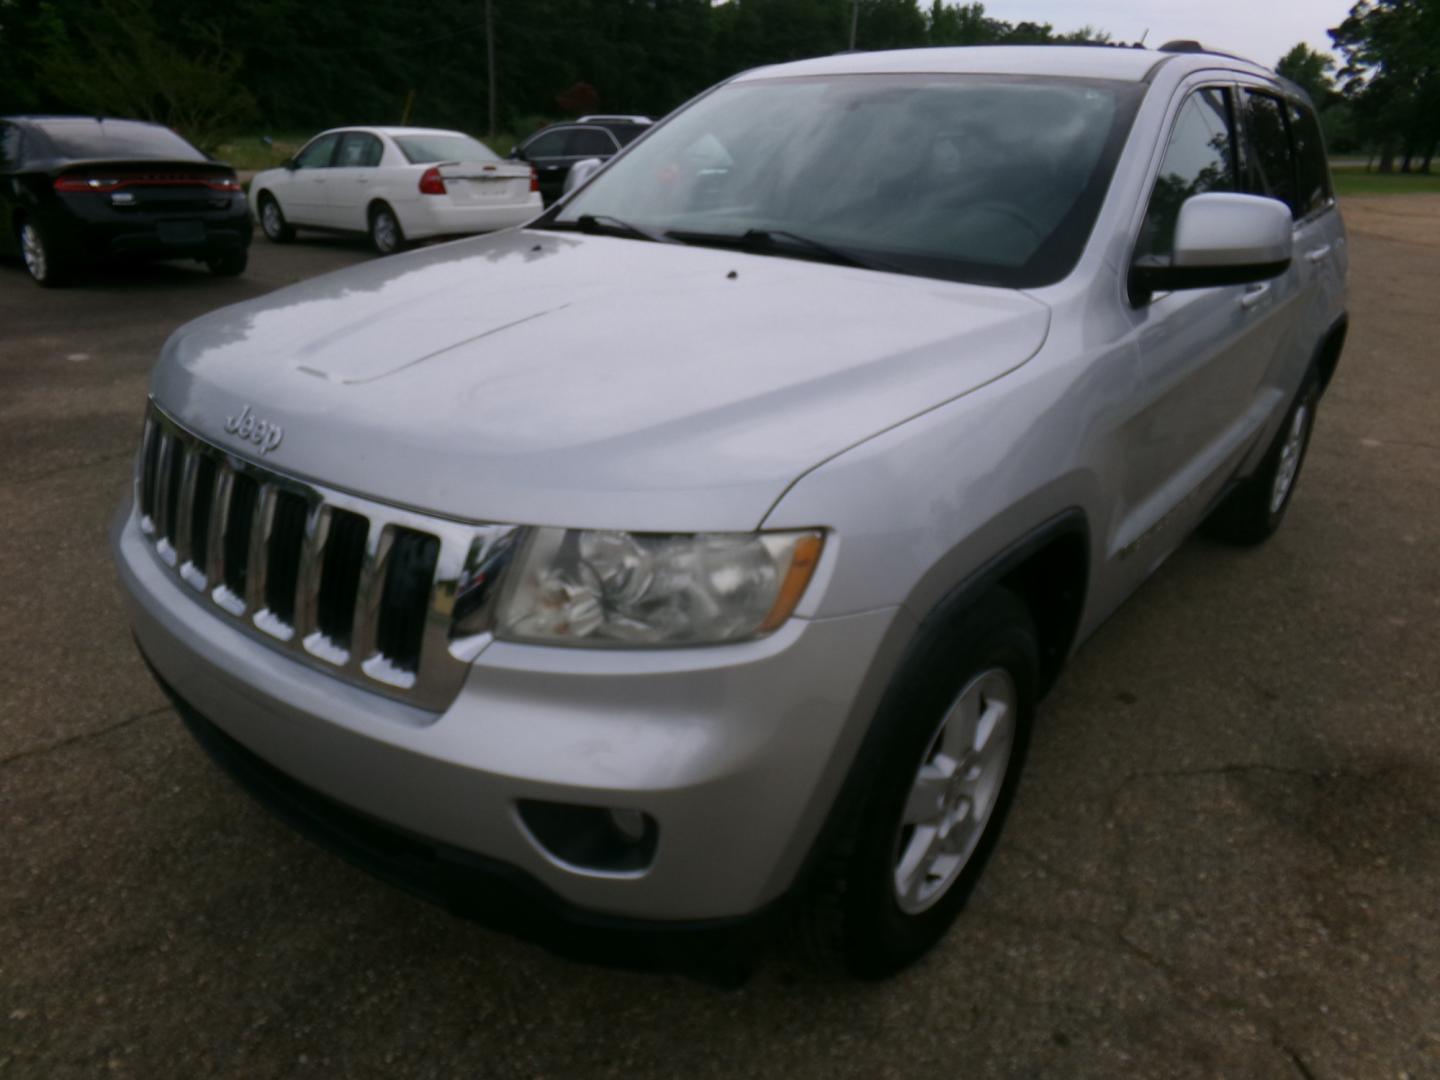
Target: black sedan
column 76, row 189
column 554, row 149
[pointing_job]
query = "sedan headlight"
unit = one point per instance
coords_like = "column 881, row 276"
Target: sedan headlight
column 606, row 588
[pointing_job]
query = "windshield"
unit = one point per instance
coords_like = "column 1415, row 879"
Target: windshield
column 117, row 139
column 973, row 178
column 423, row 149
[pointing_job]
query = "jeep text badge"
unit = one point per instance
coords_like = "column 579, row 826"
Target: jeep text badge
column 262, row 433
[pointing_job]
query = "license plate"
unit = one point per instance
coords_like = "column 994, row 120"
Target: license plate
column 181, row 232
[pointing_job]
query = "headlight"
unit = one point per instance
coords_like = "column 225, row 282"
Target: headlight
column 594, row 587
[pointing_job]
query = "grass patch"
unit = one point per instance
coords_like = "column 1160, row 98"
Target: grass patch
column 1354, row 180
column 251, row 153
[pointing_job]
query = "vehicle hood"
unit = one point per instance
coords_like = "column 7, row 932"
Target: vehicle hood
column 553, row 378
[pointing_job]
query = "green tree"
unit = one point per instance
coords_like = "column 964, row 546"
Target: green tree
column 122, row 61
column 1310, row 70
column 1392, row 76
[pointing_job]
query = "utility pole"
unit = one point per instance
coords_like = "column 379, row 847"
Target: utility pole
column 854, row 22
column 490, row 62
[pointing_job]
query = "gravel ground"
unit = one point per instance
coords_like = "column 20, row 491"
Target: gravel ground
column 1224, row 861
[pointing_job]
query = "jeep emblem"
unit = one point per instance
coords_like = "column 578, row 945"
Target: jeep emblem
column 262, row 433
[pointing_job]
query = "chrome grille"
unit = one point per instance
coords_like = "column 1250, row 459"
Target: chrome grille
column 366, row 591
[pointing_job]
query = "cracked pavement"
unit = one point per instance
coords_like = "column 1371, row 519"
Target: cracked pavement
column 1224, row 860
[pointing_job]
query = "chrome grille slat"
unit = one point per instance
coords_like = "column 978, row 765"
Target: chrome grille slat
column 258, row 561
column 219, row 517
column 239, row 543
column 164, row 462
column 312, row 562
column 189, row 468
column 367, row 596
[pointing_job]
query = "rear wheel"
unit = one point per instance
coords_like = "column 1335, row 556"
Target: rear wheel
column 386, row 236
column 914, row 841
column 1253, row 511
column 43, row 259
column 230, row 264
column 272, row 221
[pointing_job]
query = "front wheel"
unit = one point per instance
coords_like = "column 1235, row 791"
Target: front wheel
column 913, row 843
column 386, row 236
column 1253, row 511
column 272, row 221
column 44, row 261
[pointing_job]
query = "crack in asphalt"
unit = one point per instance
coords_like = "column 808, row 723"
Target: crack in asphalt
column 1192, row 994
column 40, row 751
column 1299, row 1063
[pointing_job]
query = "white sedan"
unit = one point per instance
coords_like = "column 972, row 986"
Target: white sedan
column 395, row 183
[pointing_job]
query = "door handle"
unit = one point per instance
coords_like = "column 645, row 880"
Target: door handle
column 1254, row 294
column 1319, row 255
column 362, row 179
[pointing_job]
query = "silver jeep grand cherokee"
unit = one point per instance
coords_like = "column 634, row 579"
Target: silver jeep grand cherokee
column 701, row 550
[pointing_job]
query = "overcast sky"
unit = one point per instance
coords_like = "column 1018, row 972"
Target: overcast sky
column 1262, row 30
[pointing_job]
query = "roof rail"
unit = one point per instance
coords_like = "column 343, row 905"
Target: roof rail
column 1189, row 45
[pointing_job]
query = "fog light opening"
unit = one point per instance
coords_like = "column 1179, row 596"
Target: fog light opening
column 629, row 823
column 592, row 839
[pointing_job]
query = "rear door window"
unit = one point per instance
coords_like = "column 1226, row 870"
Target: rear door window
column 1311, row 167
column 1199, row 158
column 1269, row 165
column 550, row 144
column 590, row 142
column 358, row 149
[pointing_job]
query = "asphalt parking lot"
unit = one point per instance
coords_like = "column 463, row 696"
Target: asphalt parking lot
column 1225, row 860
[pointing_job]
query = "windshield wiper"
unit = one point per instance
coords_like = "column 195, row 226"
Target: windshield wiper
column 764, row 241
column 609, row 225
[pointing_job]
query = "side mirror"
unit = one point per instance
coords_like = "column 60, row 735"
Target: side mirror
column 291, row 164
column 1221, row 239
column 515, row 154
column 581, row 171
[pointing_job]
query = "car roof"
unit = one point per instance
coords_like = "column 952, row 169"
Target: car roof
column 75, row 119
column 1076, row 61
column 393, row 130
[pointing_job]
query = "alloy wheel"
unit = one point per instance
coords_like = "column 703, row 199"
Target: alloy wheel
column 32, row 247
column 955, row 790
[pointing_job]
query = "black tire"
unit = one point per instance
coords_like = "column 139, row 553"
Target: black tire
column 272, row 220
column 47, row 264
column 230, row 264
column 853, row 914
column 386, row 235
column 1252, row 512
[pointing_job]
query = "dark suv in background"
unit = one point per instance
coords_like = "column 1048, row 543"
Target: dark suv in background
column 554, row 149
column 79, row 188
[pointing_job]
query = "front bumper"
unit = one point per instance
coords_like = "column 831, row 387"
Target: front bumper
column 735, row 751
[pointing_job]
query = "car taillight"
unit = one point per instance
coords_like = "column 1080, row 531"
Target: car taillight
column 85, row 183
column 108, row 183
column 534, row 179
column 432, row 183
